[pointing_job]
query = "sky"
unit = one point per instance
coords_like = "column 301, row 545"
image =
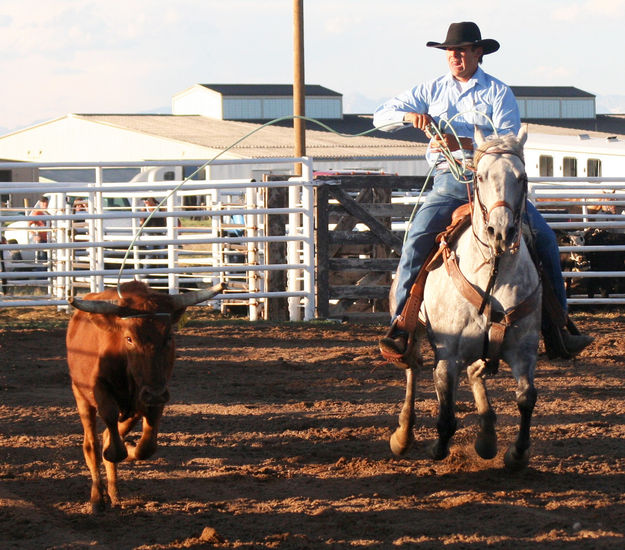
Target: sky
column 131, row 56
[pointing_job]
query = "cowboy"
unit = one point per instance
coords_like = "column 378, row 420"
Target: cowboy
column 457, row 102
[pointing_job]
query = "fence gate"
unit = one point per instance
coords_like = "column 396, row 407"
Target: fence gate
column 360, row 224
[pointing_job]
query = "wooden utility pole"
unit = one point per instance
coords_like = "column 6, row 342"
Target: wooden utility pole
column 299, row 89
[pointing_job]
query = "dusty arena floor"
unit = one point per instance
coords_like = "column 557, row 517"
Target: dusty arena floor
column 277, row 437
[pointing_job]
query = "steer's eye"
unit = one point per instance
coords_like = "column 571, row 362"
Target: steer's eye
column 128, row 340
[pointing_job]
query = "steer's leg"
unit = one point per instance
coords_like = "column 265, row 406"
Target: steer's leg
column 146, row 446
column 91, row 449
column 486, row 442
column 111, row 467
column 114, row 448
column 445, row 381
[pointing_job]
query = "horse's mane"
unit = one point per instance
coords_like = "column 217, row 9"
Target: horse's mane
column 508, row 142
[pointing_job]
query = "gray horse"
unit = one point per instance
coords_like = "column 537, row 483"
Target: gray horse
column 482, row 304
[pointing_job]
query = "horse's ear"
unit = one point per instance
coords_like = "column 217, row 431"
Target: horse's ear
column 478, row 136
column 522, row 135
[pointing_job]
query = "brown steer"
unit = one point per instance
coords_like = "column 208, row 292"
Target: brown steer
column 120, row 353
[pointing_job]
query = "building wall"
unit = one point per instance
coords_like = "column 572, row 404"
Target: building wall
column 268, row 108
column 556, row 108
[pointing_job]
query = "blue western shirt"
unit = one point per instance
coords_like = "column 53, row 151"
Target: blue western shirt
column 460, row 104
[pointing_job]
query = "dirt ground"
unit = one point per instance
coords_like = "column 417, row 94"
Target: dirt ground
column 277, row 437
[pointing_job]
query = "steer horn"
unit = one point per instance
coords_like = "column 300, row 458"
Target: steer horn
column 180, row 301
column 96, row 306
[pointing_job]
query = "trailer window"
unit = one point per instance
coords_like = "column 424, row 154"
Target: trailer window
column 569, row 167
column 593, row 168
column 545, row 166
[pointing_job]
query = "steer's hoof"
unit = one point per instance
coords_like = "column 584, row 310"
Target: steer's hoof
column 98, row 506
column 115, row 454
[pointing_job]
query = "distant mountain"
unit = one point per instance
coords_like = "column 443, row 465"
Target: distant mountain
column 356, row 103
column 614, row 104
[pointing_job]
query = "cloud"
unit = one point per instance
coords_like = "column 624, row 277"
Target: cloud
column 590, row 9
column 67, row 56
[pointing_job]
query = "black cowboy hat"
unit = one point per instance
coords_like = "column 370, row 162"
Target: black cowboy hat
column 466, row 33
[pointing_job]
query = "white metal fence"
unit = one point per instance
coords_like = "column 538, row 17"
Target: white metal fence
column 575, row 206
column 210, row 231
column 217, row 231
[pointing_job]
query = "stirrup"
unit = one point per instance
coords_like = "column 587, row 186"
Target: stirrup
column 404, row 360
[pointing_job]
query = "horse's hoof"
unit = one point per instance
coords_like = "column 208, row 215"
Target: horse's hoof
column 438, row 451
column 486, row 445
column 515, row 461
column 400, row 443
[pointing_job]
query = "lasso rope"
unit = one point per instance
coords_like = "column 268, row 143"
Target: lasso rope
column 456, row 168
column 213, row 159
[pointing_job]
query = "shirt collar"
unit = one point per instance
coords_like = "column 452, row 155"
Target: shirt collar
column 478, row 78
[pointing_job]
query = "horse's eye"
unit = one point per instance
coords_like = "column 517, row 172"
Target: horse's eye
column 128, row 339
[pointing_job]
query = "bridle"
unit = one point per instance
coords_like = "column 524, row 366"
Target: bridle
column 485, row 211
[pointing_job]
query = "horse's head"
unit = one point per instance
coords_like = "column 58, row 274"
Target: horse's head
column 500, row 190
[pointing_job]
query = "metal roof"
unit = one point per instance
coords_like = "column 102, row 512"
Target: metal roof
column 268, row 90
column 271, row 141
column 549, row 91
column 277, row 140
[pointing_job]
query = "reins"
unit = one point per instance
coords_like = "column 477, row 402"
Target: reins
column 497, row 319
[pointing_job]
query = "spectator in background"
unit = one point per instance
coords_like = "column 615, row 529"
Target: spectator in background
column 40, row 237
column 151, row 205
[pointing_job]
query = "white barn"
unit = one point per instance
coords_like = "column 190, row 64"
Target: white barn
column 209, row 118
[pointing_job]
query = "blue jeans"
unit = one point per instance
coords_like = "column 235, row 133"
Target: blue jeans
column 434, row 216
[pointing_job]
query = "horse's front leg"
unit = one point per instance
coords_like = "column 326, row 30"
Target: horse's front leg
column 445, row 382
column 486, row 442
column 517, row 455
